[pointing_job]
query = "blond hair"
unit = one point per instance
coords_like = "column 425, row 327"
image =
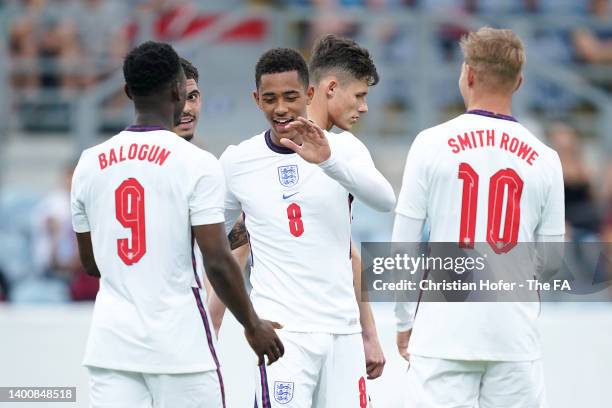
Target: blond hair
column 497, row 57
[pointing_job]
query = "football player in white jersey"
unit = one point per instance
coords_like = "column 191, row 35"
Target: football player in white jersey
column 136, row 199
column 464, row 354
column 341, row 73
column 237, row 237
column 294, row 183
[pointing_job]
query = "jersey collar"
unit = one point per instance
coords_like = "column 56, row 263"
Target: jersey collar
column 143, row 128
column 490, row 114
column 275, row 148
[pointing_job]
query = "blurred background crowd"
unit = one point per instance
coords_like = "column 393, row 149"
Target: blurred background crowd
column 61, row 91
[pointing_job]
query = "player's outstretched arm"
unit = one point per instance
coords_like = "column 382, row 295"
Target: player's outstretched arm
column 351, row 165
column 375, row 358
column 226, row 279
column 86, row 253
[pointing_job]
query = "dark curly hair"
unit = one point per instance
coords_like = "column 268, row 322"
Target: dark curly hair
column 333, row 52
column 191, row 72
column 279, row 60
column 149, row 67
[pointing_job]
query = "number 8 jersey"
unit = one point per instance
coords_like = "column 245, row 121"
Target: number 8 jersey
column 138, row 194
column 299, row 222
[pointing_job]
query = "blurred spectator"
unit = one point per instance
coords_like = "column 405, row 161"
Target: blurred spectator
column 102, row 35
column 4, row 287
column 44, row 46
column 594, row 44
column 581, row 212
column 54, row 248
column 607, row 201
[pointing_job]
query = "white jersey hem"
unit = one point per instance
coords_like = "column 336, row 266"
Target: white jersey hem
column 474, row 355
column 197, row 368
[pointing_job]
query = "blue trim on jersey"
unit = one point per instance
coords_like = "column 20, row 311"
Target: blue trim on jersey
column 276, row 148
column 493, row 115
column 143, row 128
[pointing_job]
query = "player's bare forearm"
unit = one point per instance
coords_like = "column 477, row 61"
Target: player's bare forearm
column 86, row 254
column 224, row 273
column 225, row 277
column 238, row 236
column 216, row 308
column 375, row 358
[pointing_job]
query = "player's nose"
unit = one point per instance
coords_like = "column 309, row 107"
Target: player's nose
column 281, row 109
column 363, row 107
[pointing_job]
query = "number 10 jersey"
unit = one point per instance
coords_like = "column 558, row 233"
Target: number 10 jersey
column 482, row 178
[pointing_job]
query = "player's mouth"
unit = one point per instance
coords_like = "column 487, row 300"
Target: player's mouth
column 280, row 124
column 187, row 122
column 354, row 119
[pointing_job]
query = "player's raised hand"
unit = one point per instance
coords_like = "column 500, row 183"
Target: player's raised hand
column 315, row 146
column 403, row 338
column 265, row 342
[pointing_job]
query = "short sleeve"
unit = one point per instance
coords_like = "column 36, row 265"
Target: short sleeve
column 412, row 200
column 231, row 201
column 206, row 199
column 80, row 222
column 553, row 211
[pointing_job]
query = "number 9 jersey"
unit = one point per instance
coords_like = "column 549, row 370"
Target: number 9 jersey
column 138, row 194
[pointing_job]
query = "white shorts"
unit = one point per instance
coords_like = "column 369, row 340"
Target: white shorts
column 318, row 370
column 440, row 383
column 127, row 389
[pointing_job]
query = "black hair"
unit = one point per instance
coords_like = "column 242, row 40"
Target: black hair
column 279, row 60
column 149, row 67
column 191, row 72
column 333, row 52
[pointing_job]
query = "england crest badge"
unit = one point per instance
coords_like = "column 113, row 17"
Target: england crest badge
column 288, row 175
column 283, row 392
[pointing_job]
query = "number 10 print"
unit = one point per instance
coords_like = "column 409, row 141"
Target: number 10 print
column 506, row 183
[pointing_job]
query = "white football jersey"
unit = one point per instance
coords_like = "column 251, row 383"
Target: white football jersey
column 138, row 194
column 299, row 224
column 481, row 178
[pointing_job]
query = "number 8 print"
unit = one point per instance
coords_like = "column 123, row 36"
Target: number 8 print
column 296, row 226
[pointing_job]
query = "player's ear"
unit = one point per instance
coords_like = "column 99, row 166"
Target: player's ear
column 519, row 83
column 127, row 91
column 175, row 91
column 310, row 93
column 330, row 87
column 471, row 75
column 256, row 97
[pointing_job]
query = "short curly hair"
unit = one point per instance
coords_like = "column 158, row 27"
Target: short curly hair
column 334, row 53
column 149, row 67
column 278, row 60
column 191, row 72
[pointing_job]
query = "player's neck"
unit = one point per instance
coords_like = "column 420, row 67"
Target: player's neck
column 493, row 103
column 150, row 112
column 275, row 139
column 317, row 112
column 153, row 119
